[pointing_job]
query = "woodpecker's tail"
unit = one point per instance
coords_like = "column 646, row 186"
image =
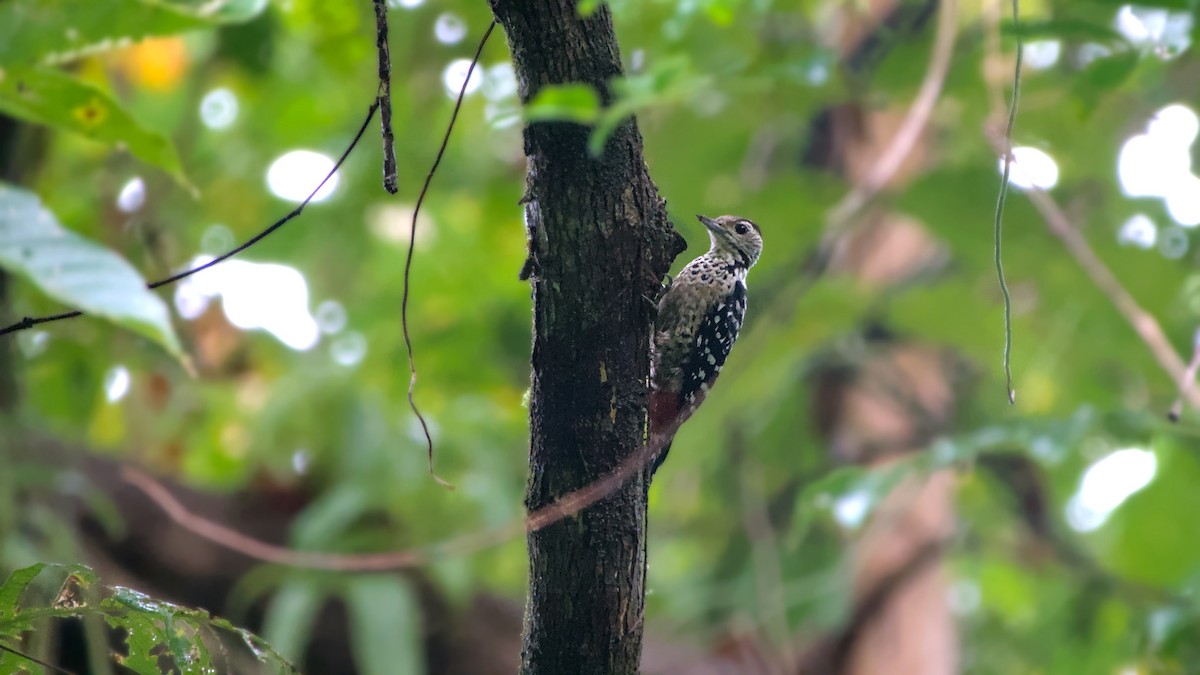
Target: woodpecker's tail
column 659, row 459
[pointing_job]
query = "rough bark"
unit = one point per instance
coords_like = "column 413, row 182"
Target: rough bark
column 21, row 150
column 599, row 244
column 8, row 375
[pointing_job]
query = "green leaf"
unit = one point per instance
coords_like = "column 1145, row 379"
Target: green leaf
column 867, row 487
column 289, row 617
column 1067, row 29
column 384, row 629
column 50, row 97
column 1165, row 4
column 612, row 118
column 57, row 31
column 222, row 11
column 587, row 8
column 152, row 628
column 185, row 642
column 14, row 586
column 330, row 516
column 143, row 635
column 259, row 647
column 565, row 102
column 152, row 625
column 24, row 595
column 1110, row 71
column 672, row 81
column 76, row 271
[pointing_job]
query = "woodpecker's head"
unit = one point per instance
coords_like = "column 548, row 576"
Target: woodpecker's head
column 735, row 238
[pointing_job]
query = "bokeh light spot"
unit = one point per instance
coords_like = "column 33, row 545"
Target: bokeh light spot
column 456, row 73
column 219, row 109
column 294, row 175
column 349, row 349
column 449, row 29
column 1107, row 484
column 331, row 317
column 1031, row 167
column 132, row 195
column 1042, row 54
column 850, row 510
column 116, row 383
column 217, row 239
column 263, row 296
column 1158, row 163
column 1139, row 231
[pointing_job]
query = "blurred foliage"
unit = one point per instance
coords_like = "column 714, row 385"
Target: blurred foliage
column 725, row 92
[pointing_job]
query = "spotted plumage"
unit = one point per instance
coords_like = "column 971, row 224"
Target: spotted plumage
column 699, row 317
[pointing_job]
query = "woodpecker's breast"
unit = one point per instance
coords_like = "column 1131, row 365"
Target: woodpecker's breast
column 713, row 340
column 700, row 316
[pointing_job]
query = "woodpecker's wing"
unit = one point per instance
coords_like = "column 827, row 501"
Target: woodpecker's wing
column 711, row 344
column 671, row 327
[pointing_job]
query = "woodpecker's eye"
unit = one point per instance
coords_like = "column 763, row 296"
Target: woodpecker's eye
column 741, row 228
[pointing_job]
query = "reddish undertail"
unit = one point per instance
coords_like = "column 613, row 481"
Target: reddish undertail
column 663, row 414
column 665, row 417
column 664, row 408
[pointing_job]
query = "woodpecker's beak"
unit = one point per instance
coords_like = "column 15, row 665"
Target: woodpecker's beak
column 710, row 224
column 716, row 234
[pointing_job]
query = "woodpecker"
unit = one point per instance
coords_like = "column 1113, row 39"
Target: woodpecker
column 699, row 316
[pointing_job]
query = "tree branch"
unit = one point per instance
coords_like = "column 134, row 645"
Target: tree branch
column 1142, row 322
column 914, row 123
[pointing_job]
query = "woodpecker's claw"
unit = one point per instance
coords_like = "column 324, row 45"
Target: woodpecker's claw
column 653, row 304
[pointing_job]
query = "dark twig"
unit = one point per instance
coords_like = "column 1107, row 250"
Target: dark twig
column 27, row 657
column 385, row 97
column 999, row 219
column 29, row 322
column 412, row 238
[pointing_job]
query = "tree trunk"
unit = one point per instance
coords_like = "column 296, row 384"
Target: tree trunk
column 600, row 243
column 21, row 150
